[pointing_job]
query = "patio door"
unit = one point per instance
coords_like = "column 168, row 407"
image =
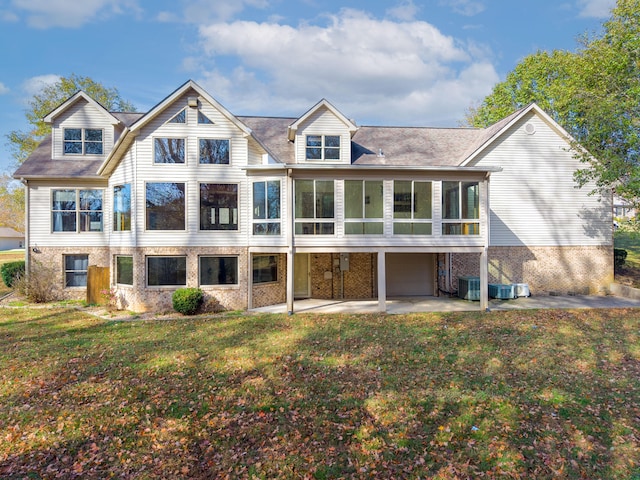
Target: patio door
column 301, row 276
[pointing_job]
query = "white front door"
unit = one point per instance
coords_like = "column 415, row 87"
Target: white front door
column 301, row 276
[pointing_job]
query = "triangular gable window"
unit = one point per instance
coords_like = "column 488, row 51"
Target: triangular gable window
column 202, row 118
column 180, row 117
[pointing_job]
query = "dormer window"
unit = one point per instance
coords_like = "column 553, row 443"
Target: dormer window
column 82, row 141
column 323, row 147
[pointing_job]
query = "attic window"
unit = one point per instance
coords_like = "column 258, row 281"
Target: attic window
column 323, row 147
column 180, row 117
column 203, row 119
column 82, row 141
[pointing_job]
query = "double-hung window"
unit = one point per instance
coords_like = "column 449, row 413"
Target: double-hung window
column 218, row 206
column 323, row 147
column 165, row 206
column 363, row 207
column 266, row 207
column 412, row 207
column 122, row 207
column 76, row 210
column 169, row 150
column 460, row 208
column 213, row 151
column 314, row 207
column 83, row 141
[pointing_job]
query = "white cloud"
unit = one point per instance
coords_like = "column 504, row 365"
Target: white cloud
column 201, row 11
column 69, row 13
column 596, row 8
column 375, row 70
column 406, row 11
column 467, row 8
column 3, row 89
column 34, row 85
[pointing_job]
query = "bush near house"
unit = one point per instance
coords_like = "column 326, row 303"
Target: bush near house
column 10, row 271
column 619, row 257
column 187, row 300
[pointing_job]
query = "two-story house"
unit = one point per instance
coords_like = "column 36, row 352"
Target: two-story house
column 263, row 210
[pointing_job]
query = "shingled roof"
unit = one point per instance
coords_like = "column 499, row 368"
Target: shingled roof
column 370, row 145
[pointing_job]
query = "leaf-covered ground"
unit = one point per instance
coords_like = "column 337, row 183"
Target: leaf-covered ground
column 537, row 394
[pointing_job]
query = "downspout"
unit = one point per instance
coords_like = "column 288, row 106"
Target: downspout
column 27, row 248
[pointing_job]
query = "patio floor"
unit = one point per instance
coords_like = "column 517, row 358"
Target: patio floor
column 400, row 305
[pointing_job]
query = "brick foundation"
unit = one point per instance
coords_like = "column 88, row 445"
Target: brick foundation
column 547, row 270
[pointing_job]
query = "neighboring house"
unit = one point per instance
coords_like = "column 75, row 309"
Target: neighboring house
column 262, row 210
column 10, row 239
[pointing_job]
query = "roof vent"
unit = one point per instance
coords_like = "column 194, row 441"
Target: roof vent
column 192, row 102
column 380, row 153
column 529, row 129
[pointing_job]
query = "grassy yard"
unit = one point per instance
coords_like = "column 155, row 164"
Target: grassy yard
column 534, row 394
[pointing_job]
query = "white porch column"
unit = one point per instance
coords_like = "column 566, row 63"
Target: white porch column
column 249, row 279
column 484, row 280
column 291, row 250
column 382, row 282
column 484, row 256
column 290, row 257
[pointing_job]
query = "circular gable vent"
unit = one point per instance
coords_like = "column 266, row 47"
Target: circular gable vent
column 530, row 129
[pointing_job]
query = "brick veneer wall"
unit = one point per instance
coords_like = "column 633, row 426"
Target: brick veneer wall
column 547, row 270
column 358, row 280
column 272, row 293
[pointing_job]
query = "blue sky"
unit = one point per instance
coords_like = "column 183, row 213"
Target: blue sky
column 406, row 62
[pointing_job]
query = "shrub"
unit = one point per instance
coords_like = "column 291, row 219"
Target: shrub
column 11, row 271
column 619, row 257
column 187, row 300
column 41, row 285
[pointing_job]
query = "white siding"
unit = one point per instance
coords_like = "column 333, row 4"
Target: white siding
column 40, row 228
column 191, row 173
column 82, row 115
column 323, row 122
column 534, row 200
column 125, row 173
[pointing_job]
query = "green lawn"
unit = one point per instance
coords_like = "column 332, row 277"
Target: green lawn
column 629, row 241
column 531, row 394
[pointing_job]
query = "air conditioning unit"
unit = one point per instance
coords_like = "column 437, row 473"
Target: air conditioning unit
column 469, row 288
column 501, row 291
column 521, row 290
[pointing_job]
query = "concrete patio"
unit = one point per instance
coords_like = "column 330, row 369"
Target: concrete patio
column 401, row 305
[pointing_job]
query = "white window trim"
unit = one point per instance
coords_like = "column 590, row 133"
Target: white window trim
column 161, row 287
column 186, row 209
column 322, row 148
column 82, row 141
column 214, row 165
column 77, row 212
column 169, row 137
column 212, row 286
column 238, row 212
column 279, row 220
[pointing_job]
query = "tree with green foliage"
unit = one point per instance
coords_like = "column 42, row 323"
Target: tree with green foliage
column 594, row 93
column 49, row 98
column 23, row 144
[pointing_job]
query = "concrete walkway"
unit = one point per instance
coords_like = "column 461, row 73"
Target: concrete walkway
column 402, row 305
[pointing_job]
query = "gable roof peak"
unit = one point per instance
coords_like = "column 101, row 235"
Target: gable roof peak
column 72, row 100
column 323, row 103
